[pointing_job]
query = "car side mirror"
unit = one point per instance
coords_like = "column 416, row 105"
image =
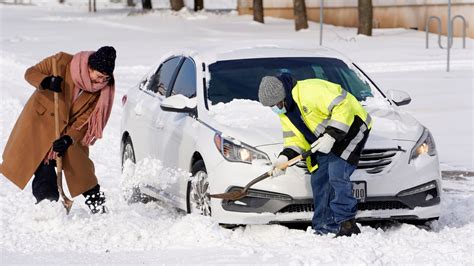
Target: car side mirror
column 180, row 104
column 399, row 97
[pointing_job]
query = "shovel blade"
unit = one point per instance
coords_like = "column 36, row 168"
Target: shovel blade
column 234, row 195
column 68, row 205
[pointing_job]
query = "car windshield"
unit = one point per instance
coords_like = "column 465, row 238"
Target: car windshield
column 240, row 79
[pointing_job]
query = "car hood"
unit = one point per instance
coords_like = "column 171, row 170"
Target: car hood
column 258, row 126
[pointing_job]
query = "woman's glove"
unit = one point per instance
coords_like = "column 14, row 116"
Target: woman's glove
column 60, row 145
column 52, row 83
column 280, row 160
column 323, row 144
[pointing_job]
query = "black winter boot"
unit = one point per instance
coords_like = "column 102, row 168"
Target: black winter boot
column 44, row 183
column 348, row 228
column 95, row 200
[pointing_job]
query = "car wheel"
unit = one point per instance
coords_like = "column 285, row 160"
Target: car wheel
column 198, row 190
column 128, row 153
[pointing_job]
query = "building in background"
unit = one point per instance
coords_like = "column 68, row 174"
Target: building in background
column 411, row 14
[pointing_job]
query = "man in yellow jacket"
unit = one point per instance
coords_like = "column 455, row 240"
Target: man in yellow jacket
column 319, row 115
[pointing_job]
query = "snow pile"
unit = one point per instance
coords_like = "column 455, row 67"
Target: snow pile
column 151, row 172
column 241, row 113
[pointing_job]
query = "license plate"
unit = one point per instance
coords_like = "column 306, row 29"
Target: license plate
column 359, row 190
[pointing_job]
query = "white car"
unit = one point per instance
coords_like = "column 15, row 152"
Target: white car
column 198, row 111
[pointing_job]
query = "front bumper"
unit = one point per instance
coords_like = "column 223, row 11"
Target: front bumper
column 420, row 202
column 396, row 191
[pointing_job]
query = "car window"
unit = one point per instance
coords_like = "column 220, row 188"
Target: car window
column 185, row 83
column 226, row 82
column 160, row 81
column 354, row 84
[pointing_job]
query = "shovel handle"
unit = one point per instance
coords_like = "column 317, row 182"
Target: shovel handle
column 242, row 193
column 67, row 203
column 282, row 166
column 294, row 160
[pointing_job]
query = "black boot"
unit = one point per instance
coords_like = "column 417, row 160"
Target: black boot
column 95, row 200
column 348, row 228
column 44, row 183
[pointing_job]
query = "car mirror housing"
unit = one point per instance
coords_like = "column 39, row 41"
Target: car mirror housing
column 180, row 104
column 399, row 97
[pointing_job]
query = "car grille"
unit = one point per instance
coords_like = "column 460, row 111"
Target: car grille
column 374, row 161
column 381, row 205
column 361, row 206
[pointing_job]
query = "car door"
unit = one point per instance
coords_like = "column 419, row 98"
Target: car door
column 178, row 138
column 148, row 112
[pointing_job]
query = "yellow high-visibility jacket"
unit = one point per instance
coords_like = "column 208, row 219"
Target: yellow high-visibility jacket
column 327, row 108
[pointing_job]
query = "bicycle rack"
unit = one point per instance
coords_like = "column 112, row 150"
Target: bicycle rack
column 450, row 38
column 427, row 26
column 464, row 25
column 450, row 32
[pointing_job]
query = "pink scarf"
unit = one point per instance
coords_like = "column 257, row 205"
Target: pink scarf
column 99, row 117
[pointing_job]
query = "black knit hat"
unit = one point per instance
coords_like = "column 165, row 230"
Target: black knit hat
column 103, row 60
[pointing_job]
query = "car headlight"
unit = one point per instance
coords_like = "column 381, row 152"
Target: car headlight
column 236, row 151
column 424, row 145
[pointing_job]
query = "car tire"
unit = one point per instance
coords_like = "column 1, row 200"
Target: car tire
column 128, row 153
column 198, row 200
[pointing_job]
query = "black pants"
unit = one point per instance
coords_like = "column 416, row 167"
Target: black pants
column 45, row 184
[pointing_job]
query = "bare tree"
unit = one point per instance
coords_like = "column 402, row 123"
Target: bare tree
column 146, row 4
column 365, row 17
column 258, row 11
column 198, row 5
column 92, row 6
column 176, row 5
column 301, row 19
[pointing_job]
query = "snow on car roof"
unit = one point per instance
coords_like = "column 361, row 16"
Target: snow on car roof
column 222, row 53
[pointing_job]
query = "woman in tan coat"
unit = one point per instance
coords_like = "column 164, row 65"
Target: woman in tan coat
column 85, row 84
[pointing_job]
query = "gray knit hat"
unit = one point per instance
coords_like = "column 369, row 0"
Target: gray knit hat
column 271, row 91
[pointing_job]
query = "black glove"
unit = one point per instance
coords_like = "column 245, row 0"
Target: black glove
column 60, row 145
column 52, row 83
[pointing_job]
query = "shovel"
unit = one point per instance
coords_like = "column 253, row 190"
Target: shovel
column 67, row 203
column 238, row 194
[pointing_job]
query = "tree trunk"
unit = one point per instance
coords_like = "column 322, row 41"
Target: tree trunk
column 301, row 19
column 176, row 5
column 130, row 3
column 198, row 5
column 146, row 4
column 92, row 6
column 365, row 17
column 258, row 11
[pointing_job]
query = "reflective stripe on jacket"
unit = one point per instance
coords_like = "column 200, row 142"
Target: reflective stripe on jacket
column 327, row 108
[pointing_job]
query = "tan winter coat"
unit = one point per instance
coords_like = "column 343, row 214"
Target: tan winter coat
column 34, row 131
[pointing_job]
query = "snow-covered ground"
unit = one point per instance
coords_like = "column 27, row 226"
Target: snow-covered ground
column 153, row 233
